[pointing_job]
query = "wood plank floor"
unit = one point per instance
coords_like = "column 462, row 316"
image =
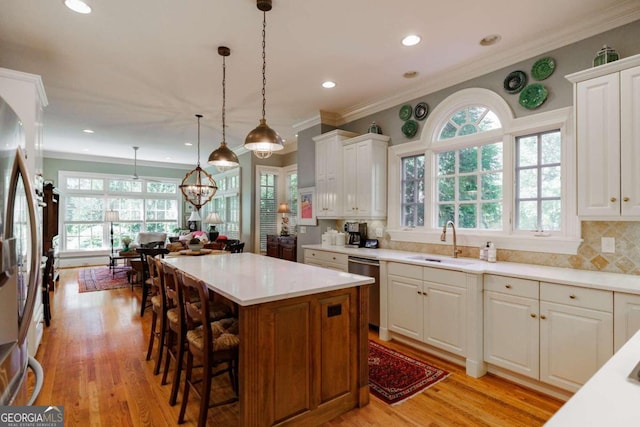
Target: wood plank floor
column 93, row 356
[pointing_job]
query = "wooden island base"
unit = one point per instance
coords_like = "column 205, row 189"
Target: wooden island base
column 304, row 360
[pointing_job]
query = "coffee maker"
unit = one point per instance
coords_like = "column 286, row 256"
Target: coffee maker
column 357, row 233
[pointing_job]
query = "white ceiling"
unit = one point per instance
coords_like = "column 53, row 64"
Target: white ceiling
column 138, row 71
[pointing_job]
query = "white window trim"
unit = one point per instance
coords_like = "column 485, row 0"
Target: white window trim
column 566, row 243
column 281, row 185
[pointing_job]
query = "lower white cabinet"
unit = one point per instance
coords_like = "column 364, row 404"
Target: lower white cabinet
column 428, row 305
column 561, row 336
column 626, row 322
column 326, row 259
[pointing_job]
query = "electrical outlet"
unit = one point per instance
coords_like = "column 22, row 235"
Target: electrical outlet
column 608, row 245
column 379, row 232
column 302, row 229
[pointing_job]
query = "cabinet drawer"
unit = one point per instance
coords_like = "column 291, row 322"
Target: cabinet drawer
column 324, row 256
column 511, row 286
column 595, row 299
column 447, row 277
column 405, row 270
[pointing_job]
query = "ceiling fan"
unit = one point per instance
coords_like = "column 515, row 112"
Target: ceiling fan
column 135, row 166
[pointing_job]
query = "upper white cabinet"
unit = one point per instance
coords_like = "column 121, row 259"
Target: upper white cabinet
column 607, row 108
column 329, row 167
column 365, row 177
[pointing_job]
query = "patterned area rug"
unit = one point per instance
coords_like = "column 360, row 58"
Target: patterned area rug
column 100, row 279
column 395, row 377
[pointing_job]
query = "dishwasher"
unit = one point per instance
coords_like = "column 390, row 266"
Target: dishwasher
column 370, row 268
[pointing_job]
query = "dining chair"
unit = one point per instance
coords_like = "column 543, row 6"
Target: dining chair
column 212, row 343
column 235, row 248
column 145, row 277
column 159, row 311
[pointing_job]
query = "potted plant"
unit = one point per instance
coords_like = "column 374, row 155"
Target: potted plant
column 126, row 241
column 195, row 244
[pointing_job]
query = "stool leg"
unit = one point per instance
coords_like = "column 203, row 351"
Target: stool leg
column 152, row 335
column 161, row 344
column 178, row 371
column 167, row 363
column 185, row 394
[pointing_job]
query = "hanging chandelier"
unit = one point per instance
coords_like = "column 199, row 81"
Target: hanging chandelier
column 263, row 140
column 222, row 157
column 198, row 187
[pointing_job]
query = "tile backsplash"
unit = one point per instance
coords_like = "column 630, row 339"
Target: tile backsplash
column 626, row 258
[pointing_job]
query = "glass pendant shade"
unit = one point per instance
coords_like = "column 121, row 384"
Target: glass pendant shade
column 198, row 186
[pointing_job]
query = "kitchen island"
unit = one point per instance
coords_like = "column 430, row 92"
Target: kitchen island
column 303, row 336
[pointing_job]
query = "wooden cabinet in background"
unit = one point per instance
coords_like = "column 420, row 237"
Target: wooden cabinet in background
column 49, row 217
column 283, row 247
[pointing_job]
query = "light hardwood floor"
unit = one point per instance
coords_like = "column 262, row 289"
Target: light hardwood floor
column 93, row 356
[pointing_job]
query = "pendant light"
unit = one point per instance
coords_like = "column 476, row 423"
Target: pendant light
column 263, row 140
column 198, row 187
column 222, row 157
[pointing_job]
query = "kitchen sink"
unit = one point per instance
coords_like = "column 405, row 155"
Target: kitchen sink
column 440, row 260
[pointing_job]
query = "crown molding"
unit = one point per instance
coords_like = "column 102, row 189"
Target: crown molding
column 34, row 79
column 48, row 154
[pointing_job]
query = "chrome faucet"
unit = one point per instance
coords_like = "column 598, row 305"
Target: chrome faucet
column 443, row 237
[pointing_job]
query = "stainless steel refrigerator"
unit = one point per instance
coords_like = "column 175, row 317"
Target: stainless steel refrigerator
column 20, row 276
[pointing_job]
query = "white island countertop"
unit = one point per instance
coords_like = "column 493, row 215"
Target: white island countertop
column 608, row 398
column 249, row 279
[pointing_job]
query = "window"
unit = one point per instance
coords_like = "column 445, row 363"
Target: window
column 497, row 177
column 226, row 203
column 142, row 206
column 539, row 182
column 274, row 186
column 413, row 191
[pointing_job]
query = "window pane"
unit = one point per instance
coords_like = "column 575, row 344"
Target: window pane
column 551, row 148
column 410, row 192
column 475, row 113
column 409, row 215
column 528, row 215
column 460, row 117
column 446, row 189
column 468, row 189
column 468, row 160
column 467, row 129
column 409, row 167
column 467, row 215
column 161, row 187
column 491, row 216
column 447, row 163
column 490, row 121
column 121, row 185
column 551, row 214
column 84, row 236
column 130, row 209
column 492, row 186
column 551, row 181
column 528, row 151
column 446, row 213
column 84, row 209
column 492, row 157
column 448, row 131
column 162, row 209
column 528, row 184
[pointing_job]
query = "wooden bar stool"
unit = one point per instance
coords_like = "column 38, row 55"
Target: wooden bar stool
column 212, row 342
column 159, row 307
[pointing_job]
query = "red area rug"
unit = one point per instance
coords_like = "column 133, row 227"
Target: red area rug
column 395, row 377
column 100, row 279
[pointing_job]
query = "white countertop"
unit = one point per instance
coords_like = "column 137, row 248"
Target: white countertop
column 249, row 279
column 608, row 398
column 591, row 279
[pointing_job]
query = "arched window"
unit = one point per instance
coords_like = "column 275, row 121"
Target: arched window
column 469, row 120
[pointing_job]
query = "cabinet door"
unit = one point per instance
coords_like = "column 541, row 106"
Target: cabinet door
column 350, row 187
column 288, row 252
column 405, row 306
column 574, row 343
column 598, row 146
column 272, row 246
column 626, row 309
column 512, row 333
column 630, row 140
column 321, row 178
column 363, row 179
column 445, row 320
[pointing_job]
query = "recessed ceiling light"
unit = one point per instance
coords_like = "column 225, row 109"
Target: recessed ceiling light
column 411, row 40
column 491, row 39
column 78, row 6
column 188, row 144
column 328, row 84
column 410, row 74
column 87, row 131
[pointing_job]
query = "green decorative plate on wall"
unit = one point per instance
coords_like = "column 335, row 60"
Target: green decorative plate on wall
column 405, row 112
column 533, row 96
column 409, row 128
column 543, row 68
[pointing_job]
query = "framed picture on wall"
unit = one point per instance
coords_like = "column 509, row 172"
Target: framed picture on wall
column 307, row 206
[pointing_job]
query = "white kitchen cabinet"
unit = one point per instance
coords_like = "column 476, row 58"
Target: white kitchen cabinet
column 626, row 321
column 329, row 178
column 607, row 108
column 428, row 305
column 512, row 329
column 576, row 333
column 365, row 177
column 327, row 259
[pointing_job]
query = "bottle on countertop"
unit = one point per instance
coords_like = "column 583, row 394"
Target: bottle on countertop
column 483, row 253
column 491, row 252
